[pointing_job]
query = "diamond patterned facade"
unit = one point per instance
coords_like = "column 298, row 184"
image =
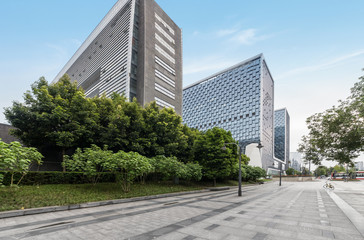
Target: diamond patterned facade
column 239, row 99
column 281, row 135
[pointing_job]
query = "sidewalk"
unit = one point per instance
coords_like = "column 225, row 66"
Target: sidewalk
column 293, row 211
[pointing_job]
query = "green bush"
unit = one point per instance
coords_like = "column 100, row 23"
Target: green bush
column 169, row 167
column 42, row 178
column 128, row 167
column 90, row 161
column 14, row 158
column 253, row 173
column 235, row 173
column 290, row 171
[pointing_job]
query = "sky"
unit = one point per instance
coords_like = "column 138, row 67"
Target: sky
column 313, row 48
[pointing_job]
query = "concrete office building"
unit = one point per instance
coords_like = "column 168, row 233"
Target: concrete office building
column 239, row 99
column 281, row 136
column 5, row 133
column 136, row 50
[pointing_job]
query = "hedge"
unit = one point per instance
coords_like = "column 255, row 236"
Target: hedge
column 41, row 178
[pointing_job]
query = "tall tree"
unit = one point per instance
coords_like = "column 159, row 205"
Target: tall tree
column 215, row 162
column 54, row 115
column 338, row 133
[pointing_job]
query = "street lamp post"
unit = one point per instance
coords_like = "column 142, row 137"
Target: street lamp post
column 239, row 152
column 280, row 175
column 260, row 146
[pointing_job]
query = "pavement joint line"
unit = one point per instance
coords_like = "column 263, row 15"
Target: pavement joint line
column 355, row 217
column 184, row 223
column 95, row 213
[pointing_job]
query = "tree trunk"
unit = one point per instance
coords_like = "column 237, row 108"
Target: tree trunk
column 214, row 182
column 63, row 152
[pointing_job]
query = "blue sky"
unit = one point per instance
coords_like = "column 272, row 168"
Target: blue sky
column 314, row 49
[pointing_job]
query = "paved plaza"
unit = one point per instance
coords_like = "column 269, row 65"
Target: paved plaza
column 292, row 211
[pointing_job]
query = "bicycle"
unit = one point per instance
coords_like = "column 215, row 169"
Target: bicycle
column 329, row 186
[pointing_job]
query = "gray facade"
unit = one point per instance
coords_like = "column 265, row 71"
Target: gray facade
column 281, row 135
column 136, row 50
column 5, row 135
column 239, row 99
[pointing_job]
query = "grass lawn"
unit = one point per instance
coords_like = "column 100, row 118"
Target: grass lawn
column 65, row 194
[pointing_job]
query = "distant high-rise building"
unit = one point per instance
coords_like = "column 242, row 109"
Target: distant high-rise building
column 136, row 50
column 239, row 99
column 281, row 136
column 296, row 160
column 359, row 165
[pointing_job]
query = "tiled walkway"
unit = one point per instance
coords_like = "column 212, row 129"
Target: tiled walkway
column 292, row 211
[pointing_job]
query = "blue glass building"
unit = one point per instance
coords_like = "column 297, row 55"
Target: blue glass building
column 281, row 135
column 239, row 99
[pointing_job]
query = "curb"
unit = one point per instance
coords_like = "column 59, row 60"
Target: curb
column 31, row 211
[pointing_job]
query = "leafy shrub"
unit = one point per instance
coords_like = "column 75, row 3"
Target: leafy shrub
column 170, row 167
column 127, row 167
column 235, row 173
column 90, row 161
column 253, row 173
column 42, row 178
column 290, row 171
column 16, row 158
column 194, row 172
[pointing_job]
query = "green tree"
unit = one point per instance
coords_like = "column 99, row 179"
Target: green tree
column 215, row 162
column 290, row 171
column 166, row 134
column 16, row 158
column 321, row 170
column 56, row 115
column 339, row 168
column 338, row 133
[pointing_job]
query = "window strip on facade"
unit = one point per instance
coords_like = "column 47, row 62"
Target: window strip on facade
column 164, row 91
column 165, row 65
column 162, row 103
column 164, row 33
column 164, row 23
column 164, row 43
column 164, row 53
column 164, row 78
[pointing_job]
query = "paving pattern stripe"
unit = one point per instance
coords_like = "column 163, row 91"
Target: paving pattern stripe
column 175, row 226
column 108, row 218
column 60, row 219
column 355, row 217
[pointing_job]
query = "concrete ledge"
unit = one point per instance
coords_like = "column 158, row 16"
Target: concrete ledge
column 218, row 188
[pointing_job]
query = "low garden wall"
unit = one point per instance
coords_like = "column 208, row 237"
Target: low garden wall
column 294, row 178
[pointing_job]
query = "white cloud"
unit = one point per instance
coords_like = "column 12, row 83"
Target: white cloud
column 240, row 36
column 225, row 32
column 317, row 67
